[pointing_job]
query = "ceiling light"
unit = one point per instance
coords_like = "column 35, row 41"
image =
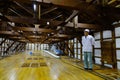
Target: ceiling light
column 34, row 7
column 48, row 23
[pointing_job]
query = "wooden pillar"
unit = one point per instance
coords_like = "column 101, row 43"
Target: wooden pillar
column 93, row 57
column 23, row 47
column 101, row 39
column 66, row 47
column 114, row 49
column 76, row 48
column 3, row 41
column 16, row 47
column 40, row 46
column 31, row 45
column 6, row 51
column 34, row 46
column 28, row 46
column 4, row 48
column 79, row 39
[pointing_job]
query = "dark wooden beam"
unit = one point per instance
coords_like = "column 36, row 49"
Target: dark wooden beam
column 113, row 2
column 14, row 12
column 21, row 6
column 49, row 10
column 3, row 41
column 75, row 12
column 30, row 20
column 6, row 51
column 79, row 5
column 23, row 47
column 59, row 15
column 19, row 46
column 9, row 33
column 16, row 46
column 33, row 29
column 117, row 25
column 72, row 52
column 84, row 25
column 23, row 1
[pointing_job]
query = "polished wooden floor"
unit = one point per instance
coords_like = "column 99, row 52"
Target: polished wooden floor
column 42, row 66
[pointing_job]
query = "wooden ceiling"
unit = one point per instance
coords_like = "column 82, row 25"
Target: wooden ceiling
column 50, row 21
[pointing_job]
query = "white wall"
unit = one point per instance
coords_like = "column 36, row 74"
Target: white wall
column 117, row 34
column 118, row 43
column 107, row 35
column 117, row 31
column 97, row 52
column 97, row 35
column 118, row 54
column 97, row 45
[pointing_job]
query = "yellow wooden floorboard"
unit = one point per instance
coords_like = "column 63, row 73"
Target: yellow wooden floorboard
column 11, row 69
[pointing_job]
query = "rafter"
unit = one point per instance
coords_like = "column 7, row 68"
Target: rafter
column 71, row 4
column 33, row 29
column 3, row 41
column 30, row 20
column 49, row 10
column 75, row 12
column 9, row 33
column 9, row 46
column 84, row 25
column 23, row 7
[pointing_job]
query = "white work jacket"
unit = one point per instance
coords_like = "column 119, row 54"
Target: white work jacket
column 87, row 43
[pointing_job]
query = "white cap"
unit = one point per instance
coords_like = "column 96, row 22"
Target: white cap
column 87, row 30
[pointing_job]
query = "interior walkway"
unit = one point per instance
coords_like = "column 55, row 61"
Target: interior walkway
column 42, row 66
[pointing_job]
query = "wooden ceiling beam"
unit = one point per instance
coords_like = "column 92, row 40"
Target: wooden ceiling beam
column 16, row 46
column 75, row 12
column 6, row 51
column 62, row 35
column 16, row 14
column 23, row 1
column 34, row 36
column 14, row 11
column 17, row 37
column 33, row 29
column 112, row 2
column 59, row 15
column 21, row 6
column 29, row 20
column 3, row 41
column 9, row 33
column 71, row 4
column 117, row 25
column 84, row 25
column 49, row 10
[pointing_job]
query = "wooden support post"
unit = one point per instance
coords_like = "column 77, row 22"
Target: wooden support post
column 20, row 47
column 114, row 49
column 79, row 39
column 72, row 52
column 9, row 47
column 101, row 39
column 16, row 47
column 66, row 47
column 3, row 41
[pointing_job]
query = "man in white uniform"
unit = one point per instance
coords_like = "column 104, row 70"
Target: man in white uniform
column 87, row 42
